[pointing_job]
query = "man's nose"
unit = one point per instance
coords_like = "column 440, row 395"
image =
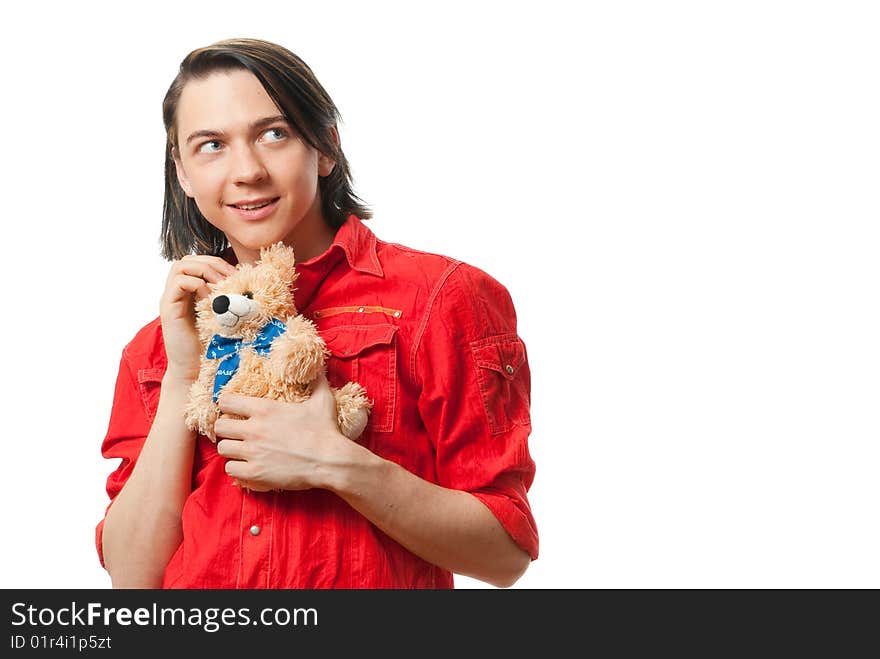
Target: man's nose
column 247, row 165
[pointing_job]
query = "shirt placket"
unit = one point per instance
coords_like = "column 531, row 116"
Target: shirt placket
column 255, row 537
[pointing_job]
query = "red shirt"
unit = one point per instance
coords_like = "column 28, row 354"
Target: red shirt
column 433, row 341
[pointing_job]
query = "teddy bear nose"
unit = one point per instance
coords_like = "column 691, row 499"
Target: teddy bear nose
column 220, row 304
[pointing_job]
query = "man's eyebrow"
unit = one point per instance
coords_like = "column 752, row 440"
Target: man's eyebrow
column 259, row 123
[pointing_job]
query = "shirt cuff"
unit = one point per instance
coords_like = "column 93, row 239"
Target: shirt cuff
column 518, row 524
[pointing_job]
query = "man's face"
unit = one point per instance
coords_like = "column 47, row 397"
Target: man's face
column 236, row 147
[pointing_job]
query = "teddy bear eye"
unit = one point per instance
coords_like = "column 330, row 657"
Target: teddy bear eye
column 249, row 295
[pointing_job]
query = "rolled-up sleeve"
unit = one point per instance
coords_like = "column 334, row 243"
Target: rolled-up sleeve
column 127, row 430
column 475, row 397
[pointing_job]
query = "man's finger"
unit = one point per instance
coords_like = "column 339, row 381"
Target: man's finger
column 231, row 448
column 238, row 469
column 321, row 384
column 245, row 406
column 230, row 428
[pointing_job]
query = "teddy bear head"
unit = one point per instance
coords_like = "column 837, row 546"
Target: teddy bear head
column 242, row 304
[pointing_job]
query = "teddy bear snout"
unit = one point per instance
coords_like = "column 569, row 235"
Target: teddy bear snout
column 229, row 309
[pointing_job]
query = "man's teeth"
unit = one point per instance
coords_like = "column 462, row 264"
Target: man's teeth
column 250, row 208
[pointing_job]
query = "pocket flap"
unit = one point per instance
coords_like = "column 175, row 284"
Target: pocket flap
column 150, row 375
column 502, row 354
column 350, row 340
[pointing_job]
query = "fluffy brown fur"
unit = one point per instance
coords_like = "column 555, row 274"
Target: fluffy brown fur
column 296, row 358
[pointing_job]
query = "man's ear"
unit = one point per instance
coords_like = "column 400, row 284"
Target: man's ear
column 325, row 162
column 181, row 175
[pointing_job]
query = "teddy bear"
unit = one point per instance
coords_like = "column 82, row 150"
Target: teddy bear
column 256, row 343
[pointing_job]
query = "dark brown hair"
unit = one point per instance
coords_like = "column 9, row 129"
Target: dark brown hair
column 308, row 108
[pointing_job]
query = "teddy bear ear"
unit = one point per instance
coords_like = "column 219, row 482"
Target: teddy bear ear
column 281, row 257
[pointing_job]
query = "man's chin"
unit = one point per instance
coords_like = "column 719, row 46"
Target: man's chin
column 255, row 242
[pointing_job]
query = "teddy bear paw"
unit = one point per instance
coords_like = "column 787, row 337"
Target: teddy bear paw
column 297, row 357
column 353, row 409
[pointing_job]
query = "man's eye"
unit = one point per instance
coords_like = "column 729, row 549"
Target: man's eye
column 280, row 134
column 249, row 295
column 202, row 148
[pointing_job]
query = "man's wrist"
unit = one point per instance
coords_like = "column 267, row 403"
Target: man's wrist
column 350, row 469
column 182, row 381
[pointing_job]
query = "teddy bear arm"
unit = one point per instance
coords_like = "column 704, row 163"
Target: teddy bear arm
column 298, row 356
column 201, row 411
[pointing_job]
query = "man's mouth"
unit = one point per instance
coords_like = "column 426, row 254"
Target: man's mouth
column 254, row 205
column 256, row 210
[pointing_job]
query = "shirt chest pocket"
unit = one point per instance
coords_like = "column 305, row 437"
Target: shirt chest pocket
column 366, row 354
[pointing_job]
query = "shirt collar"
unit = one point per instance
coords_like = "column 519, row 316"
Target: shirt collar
column 359, row 245
column 356, row 241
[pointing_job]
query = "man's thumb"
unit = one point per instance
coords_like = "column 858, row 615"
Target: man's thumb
column 320, row 385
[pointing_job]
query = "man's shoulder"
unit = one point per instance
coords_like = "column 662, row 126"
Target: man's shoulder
column 450, row 282
column 431, row 267
column 395, row 254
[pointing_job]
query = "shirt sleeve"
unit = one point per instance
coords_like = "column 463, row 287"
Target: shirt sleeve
column 475, row 397
column 126, row 433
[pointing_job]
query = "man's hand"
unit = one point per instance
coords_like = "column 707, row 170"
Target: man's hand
column 279, row 445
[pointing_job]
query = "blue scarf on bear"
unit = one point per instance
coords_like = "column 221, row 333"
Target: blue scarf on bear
column 226, row 349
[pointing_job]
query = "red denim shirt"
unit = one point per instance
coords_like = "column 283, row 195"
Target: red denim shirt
column 434, row 343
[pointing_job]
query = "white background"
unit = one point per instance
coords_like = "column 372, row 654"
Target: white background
column 681, row 197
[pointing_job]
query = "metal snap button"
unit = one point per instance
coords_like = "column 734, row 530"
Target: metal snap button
column 255, row 530
column 509, row 369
